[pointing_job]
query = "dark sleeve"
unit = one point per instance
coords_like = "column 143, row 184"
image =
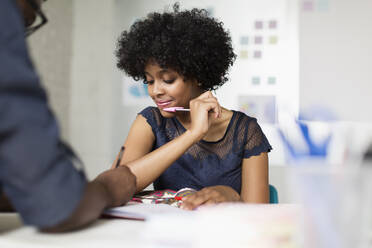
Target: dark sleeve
column 256, row 141
column 36, row 171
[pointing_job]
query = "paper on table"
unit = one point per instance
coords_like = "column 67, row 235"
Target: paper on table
column 142, row 211
column 167, row 196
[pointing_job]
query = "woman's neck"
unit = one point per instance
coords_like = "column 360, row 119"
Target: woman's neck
column 218, row 126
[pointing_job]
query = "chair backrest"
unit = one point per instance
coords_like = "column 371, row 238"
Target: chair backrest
column 273, row 194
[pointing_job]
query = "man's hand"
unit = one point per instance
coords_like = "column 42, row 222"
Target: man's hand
column 210, row 195
column 119, row 183
column 111, row 188
column 5, row 205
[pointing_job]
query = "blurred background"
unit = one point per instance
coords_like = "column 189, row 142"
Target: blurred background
column 297, row 60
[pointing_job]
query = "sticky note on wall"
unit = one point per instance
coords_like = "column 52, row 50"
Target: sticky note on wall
column 244, row 40
column 256, row 80
column 271, row 80
column 273, row 24
column 243, row 54
column 258, row 40
column 258, row 25
column 257, row 54
column 307, row 5
column 273, row 39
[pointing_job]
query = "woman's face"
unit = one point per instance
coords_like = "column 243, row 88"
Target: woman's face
column 168, row 89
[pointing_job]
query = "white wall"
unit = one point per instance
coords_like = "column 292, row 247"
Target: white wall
column 92, row 84
column 51, row 49
column 335, row 59
column 73, row 54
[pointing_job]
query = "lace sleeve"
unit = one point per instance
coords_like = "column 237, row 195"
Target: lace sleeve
column 256, row 142
column 152, row 117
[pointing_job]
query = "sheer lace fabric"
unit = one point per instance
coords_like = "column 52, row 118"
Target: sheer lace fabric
column 208, row 163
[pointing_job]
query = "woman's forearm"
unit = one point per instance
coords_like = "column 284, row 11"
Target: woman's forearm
column 152, row 165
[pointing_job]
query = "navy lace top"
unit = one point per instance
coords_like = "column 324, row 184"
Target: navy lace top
column 207, row 163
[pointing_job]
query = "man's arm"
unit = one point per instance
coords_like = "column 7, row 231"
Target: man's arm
column 5, row 205
column 110, row 189
column 36, row 172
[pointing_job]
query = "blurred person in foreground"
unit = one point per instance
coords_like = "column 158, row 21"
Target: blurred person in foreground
column 38, row 174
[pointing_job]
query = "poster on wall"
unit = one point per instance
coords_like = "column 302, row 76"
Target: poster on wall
column 135, row 92
column 261, row 107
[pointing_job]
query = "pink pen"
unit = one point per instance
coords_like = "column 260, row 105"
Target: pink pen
column 174, row 109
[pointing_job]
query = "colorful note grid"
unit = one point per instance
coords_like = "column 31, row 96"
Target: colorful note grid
column 258, row 41
column 311, row 5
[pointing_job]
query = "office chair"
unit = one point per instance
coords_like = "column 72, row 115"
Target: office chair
column 274, row 199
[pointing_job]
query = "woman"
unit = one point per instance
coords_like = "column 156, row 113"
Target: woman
column 182, row 56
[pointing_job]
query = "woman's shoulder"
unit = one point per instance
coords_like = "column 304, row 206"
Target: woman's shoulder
column 255, row 140
column 150, row 110
column 235, row 120
column 152, row 114
column 243, row 116
column 245, row 123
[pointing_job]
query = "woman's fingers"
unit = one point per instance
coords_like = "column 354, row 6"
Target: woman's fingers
column 202, row 109
column 195, row 200
column 209, row 196
column 207, row 97
column 211, row 202
column 215, row 107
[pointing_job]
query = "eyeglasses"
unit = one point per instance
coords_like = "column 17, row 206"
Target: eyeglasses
column 40, row 21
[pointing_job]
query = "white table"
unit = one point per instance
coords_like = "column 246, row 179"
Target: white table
column 103, row 233
column 169, row 230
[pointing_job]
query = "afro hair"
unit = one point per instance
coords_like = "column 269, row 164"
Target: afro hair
column 190, row 42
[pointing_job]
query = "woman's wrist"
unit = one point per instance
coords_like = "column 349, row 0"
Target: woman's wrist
column 233, row 195
column 195, row 136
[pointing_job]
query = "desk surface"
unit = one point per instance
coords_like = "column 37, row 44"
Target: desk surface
column 201, row 229
column 102, row 233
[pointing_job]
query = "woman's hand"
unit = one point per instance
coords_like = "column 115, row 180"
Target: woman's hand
column 210, row 195
column 203, row 108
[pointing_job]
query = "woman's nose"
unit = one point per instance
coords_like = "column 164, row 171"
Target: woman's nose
column 157, row 88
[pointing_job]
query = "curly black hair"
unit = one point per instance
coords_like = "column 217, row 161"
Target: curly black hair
column 190, row 42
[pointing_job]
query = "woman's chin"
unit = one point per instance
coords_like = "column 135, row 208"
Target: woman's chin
column 166, row 114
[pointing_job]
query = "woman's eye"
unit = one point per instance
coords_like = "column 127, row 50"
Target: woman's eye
column 148, row 81
column 169, row 81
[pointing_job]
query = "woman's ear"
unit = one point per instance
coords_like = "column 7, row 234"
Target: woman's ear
column 194, row 82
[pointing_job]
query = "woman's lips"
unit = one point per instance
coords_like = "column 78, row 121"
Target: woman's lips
column 163, row 104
